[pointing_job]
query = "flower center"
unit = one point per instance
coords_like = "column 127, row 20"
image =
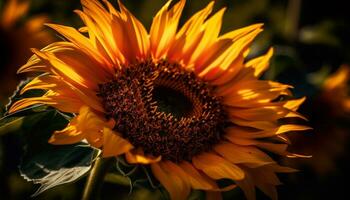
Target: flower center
column 164, row 109
column 171, row 101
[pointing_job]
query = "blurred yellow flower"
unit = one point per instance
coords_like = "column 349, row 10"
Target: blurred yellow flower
column 335, row 91
column 328, row 110
column 16, row 37
column 185, row 102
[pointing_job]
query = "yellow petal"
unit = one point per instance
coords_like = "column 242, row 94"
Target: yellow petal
column 189, row 36
column 80, row 41
column 113, row 144
column 86, row 125
column 68, row 135
column 277, row 148
column 211, row 29
column 252, row 88
column 260, row 64
column 101, row 36
column 263, row 125
column 225, row 59
column 130, row 35
column 164, row 27
column 35, row 64
column 294, row 104
column 253, row 134
column 64, row 70
column 248, row 186
column 266, row 180
column 137, row 156
column 177, row 188
column 92, row 125
column 239, row 33
column 243, row 154
column 41, row 82
column 83, row 87
column 217, row 167
column 197, row 179
column 268, row 113
column 62, row 102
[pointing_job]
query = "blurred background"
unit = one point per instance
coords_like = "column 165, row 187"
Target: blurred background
column 312, row 52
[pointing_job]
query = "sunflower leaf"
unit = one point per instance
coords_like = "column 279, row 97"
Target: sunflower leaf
column 53, row 165
column 10, row 124
column 57, row 165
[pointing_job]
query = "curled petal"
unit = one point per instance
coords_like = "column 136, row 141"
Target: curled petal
column 137, row 156
column 113, row 144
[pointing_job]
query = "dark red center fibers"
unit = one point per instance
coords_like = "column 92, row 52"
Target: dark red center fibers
column 164, row 109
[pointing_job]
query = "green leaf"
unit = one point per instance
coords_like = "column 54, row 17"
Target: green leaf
column 57, row 165
column 9, row 125
column 52, row 165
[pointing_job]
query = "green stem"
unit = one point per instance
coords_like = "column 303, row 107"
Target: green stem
column 94, row 182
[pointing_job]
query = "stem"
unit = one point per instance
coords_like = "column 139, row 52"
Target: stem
column 94, row 182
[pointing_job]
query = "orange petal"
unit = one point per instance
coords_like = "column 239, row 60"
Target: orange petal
column 248, row 186
column 65, row 103
column 113, row 144
column 223, row 61
column 243, row 154
column 80, row 41
column 217, row 167
column 87, row 125
column 239, row 33
column 68, row 135
column 276, row 148
column 211, row 29
column 253, row 134
column 35, row 64
column 197, row 179
column 178, row 189
column 260, row 64
column 130, row 35
column 268, row 113
column 137, row 156
column 263, row 125
column 294, row 104
column 189, row 35
column 164, row 27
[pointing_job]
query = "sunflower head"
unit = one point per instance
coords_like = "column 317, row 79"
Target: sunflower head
column 184, row 101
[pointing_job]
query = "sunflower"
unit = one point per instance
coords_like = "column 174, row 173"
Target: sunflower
column 186, row 103
column 335, row 91
column 16, row 38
